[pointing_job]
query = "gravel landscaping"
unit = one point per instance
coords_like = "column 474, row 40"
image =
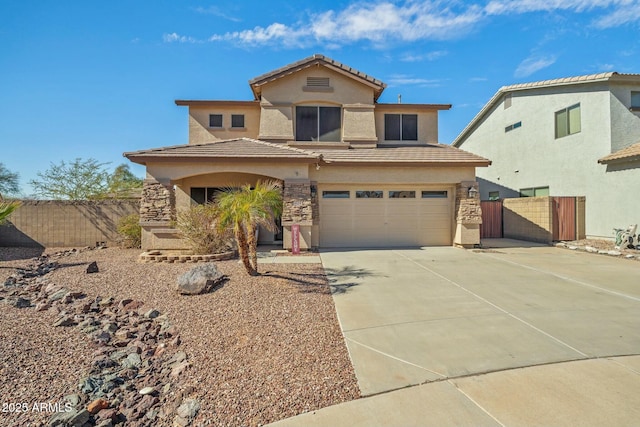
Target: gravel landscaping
column 260, row 348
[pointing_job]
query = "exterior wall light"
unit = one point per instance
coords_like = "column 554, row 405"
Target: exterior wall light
column 472, row 192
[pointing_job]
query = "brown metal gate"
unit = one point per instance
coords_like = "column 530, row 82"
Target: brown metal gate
column 491, row 226
column 564, row 218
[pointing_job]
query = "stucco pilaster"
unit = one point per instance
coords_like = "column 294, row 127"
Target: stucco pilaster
column 158, row 203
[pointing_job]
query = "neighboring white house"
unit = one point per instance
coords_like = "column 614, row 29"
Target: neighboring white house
column 577, row 136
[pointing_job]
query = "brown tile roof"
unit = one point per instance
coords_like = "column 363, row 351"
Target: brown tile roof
column 429, row 154
column 257, row 82
column 246, row 149
column 239, row 148
column 630, row 153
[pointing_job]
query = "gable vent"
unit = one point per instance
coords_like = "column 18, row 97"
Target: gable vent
column 318, row 81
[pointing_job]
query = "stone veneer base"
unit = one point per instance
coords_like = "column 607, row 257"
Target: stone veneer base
column 173, row 258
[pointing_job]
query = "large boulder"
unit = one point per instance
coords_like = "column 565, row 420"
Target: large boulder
column 200, row 279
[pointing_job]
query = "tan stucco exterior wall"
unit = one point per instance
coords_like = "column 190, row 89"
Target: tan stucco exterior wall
column 280, row 97
column 199, row 130
column 427, row 124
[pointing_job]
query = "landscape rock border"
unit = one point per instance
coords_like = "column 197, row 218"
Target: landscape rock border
column 135, row 377
column 593, row 250
column 158, row 256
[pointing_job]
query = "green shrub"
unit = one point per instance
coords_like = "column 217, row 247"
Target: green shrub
column 198, row 225
column 7, row 208
column 130, row 231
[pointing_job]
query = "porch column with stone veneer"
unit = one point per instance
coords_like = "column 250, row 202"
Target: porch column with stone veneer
column 297, row 209
column 468, row 215
column 157, row 212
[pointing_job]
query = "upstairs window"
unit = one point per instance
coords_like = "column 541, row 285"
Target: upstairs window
column 401, row 127
column 318, row 124
column 215, row 120
column 635, row 101
column 237, row 120
column 568, row 121
column 513, row 126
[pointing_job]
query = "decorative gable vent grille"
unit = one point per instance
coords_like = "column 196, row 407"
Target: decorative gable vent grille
column 318, row 81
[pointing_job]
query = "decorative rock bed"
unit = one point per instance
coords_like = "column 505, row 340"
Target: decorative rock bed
column 135, row 377
column 159, row 256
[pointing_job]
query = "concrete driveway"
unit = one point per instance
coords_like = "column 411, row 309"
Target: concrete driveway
column 532, row 335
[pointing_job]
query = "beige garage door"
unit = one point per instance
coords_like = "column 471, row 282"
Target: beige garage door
column 384, row 216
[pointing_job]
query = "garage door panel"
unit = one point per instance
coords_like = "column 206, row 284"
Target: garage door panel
column 384, row 222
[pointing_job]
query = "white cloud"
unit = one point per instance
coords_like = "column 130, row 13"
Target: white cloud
column 503, row 7
column 407, row 80
column 375, row 22
column 621, row 16
column 429, row 56
column 176, row 38
column 533, row 64
column 387, row 21
column 215, row 11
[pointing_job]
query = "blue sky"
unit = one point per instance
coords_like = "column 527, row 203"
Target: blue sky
column 96, row 79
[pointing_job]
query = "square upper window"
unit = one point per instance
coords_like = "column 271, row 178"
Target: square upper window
column 318, row 124
column 237, row 120
column 568, row 121
column 215, row 120
column 401, row 127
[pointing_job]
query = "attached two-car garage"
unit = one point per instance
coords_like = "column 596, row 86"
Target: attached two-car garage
column 385, row 216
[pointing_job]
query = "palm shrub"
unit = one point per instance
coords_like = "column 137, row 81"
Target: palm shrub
column 7, row 208
column 130, row 231
column 243, row 210
column 198, row 225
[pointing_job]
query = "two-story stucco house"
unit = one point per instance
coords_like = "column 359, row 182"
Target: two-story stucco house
column 355, row 172
column 577, row 136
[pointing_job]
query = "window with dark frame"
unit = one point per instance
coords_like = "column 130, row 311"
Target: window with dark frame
column 318, row 124
column 368, row 194
column 237, row 120
column 215, row 120
column 401, row 127
column 336, row 194
column 202, row 195
column 635, row 101
column 567, row 121
column 512, row 127
column 431, row 194
column 402, row 194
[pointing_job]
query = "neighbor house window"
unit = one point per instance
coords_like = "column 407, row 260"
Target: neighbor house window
column 364, row 194
column 402, row 194
column 534, row 192
column 494, row 195
column 568, row 121
column 401, row 127
column 513, row 126
column 237, row 120
column 434, row 194
column 202, row 195
column 635, row 101
column 335, row 194
column 318, row 124
column 215, row 120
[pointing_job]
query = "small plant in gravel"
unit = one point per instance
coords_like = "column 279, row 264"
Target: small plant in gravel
column 199, row 226
column 130, row 231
